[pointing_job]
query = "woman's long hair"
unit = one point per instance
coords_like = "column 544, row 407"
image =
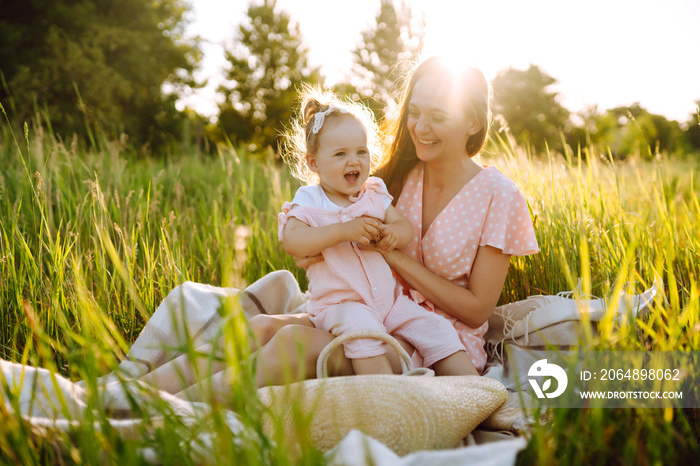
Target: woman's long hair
column 476, row 96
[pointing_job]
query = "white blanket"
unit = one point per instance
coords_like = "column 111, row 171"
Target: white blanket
column 190, row 313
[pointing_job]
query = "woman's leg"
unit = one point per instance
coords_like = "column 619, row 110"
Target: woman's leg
column 190, row 314
column 291, row 356
column 184, row 371
column 265, row 326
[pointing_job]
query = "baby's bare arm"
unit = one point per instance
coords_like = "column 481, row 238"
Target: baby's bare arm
column 300, row 239
column 395, row 223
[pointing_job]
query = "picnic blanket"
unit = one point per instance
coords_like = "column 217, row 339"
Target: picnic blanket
column 190, row 315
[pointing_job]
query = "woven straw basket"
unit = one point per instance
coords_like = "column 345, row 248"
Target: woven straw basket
column 406, row 413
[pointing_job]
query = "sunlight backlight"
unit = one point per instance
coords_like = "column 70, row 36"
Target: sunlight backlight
column 601, row 52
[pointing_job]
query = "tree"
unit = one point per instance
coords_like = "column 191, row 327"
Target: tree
column 383, row 48
column 268, row 64
column 630, row 130
column 590, row 126
column 692, row 132
column 97, row 64
column 642, row 133
column 531, row 110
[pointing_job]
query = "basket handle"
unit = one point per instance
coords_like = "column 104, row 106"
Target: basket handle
column 404, row 358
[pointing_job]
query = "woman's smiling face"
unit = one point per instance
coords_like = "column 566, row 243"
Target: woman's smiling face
column 437, row 121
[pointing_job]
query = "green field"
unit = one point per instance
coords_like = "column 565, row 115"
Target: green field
column 91, row 242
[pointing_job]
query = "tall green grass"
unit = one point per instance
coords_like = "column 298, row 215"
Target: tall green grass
column 91, row 242
column 617, row 226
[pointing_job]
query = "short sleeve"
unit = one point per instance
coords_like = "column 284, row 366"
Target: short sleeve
column 507, row 225
column 282, row 219
column 377, row 185
column 306, row 196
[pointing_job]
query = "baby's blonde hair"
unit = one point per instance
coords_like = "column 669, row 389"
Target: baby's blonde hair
column 300, row 142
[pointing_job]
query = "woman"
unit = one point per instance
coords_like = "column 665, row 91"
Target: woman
column 468, row 220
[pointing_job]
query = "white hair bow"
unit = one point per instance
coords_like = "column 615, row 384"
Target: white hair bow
column 320, row 117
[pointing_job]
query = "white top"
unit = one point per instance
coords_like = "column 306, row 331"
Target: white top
column 314, row 196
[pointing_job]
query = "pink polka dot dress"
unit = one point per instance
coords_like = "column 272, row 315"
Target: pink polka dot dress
column 488, row 211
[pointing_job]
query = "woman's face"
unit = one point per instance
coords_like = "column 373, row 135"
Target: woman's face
column 437, row 123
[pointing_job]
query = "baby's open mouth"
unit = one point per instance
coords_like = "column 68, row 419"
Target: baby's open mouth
column 352, row 177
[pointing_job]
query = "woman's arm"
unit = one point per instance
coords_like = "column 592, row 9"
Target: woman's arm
column 472, row 305
column 300, row 239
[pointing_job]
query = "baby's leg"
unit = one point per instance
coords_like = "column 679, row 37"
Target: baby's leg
column 367, row 355
column 432, row 335
column 455, row 364
column 374, row 365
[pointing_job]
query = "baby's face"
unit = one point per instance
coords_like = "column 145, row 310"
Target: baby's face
column 342, row 161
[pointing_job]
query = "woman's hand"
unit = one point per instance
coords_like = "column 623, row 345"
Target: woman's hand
column 389, row 256
column 305, row 261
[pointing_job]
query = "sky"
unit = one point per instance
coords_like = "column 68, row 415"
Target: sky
column 607, row 53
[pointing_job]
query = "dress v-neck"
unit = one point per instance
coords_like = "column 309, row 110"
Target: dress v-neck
column 421, row 177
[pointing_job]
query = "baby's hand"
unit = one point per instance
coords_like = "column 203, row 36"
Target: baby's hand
column 389, row 238
column 362, row 230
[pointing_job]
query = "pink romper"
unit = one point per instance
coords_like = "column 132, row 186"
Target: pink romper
column 354, row 289
column 488, row 211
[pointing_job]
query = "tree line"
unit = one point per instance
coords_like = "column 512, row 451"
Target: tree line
column 107, row 68
column 91, row 67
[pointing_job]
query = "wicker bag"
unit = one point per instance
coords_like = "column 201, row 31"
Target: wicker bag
column 406, row 413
